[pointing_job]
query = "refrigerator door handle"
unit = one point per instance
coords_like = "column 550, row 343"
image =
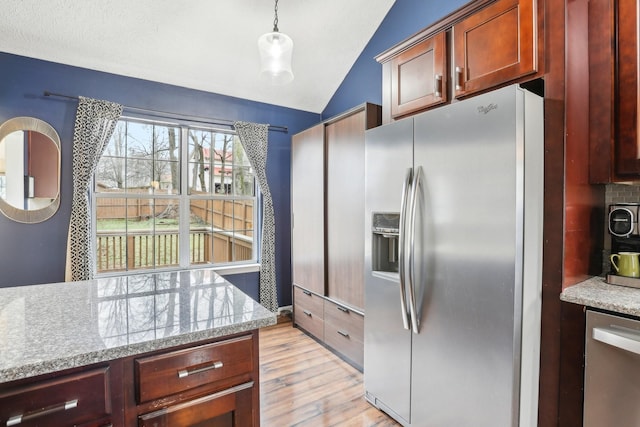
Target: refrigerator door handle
column 401, row 246
column 417, row 182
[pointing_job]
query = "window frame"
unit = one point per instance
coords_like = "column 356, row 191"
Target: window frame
column 184, row 262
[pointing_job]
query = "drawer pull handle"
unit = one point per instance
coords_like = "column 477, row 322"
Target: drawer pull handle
column 343, row 333
column 341, row 308
column 18, row 419
column 438, row 86
column 459, row 79
column 183, row 373
column 308, row 313
column 308, row 293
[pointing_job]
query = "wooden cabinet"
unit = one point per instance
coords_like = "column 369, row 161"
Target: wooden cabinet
column 307, row 209
column 213, row 383
column 614, row 142
column 344, row 331
column 481, row 46
column 419, row 76
column 81, row 398
column 328, row 248
column 494, row 45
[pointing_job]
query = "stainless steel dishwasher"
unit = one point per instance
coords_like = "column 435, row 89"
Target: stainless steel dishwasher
column 612, row 371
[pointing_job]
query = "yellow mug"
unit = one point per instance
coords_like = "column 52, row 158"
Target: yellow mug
column 628, row 264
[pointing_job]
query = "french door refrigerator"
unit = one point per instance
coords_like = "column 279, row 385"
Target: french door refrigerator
column 454, row 200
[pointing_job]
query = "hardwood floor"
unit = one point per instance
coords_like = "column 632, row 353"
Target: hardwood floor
column 304, row 384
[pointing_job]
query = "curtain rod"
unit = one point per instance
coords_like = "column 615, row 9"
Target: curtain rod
column 167, row 115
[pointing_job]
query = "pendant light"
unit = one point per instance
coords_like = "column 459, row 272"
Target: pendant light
column 275, row 55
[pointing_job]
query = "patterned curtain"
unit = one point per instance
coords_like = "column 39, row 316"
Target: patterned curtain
column 95, row 123
column 254, row 140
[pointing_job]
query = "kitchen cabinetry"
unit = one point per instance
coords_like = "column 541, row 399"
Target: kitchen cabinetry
column 79, row 398
column 214, row 382
column 613, row 91
column 481, row 46
column 327, row 199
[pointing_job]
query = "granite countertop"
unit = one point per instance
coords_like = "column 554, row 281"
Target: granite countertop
column 595, row 292
column 47, row 328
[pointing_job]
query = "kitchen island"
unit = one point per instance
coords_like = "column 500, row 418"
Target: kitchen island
column 171, row 348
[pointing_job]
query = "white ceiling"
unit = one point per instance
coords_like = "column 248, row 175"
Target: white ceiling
column 209, row 45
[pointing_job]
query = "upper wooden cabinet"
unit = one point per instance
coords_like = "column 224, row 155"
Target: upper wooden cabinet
column 613, row 91
column 419, row 76
column 484, row 45
column 494, row 45
column 307, row 209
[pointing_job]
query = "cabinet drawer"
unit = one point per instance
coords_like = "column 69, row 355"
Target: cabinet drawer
column 177, row 371
column 308, row 320
column 344, row 331
column 231, row 407
column 65, row 401
column 344, row 318
column 308, row 301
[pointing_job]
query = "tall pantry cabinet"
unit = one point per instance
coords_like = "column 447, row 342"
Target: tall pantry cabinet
column 327, row 236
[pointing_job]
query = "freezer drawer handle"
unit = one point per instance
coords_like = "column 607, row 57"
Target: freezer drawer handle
column 308, row 293
column 616, row 336
column 28, row 416
column 183, row 373
column 341, row 308
column 308, row 313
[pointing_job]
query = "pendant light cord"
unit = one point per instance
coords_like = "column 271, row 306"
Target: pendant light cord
column 275, row 19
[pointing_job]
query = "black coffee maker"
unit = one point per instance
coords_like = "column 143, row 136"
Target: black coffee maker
column 623, row 227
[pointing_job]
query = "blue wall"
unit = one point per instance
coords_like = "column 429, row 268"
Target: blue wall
column 35, row 253
column 364, row 81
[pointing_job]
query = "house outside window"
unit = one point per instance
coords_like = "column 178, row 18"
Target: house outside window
column 169, row 196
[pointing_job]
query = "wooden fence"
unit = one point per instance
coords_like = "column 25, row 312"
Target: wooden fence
column 120, row 252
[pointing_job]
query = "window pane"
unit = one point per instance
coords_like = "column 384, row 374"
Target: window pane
column 200, row 233
column 139, row 176
column 140, row 245
column 243, row 178
column 111, row 239
column 167, row 143
column 243, row 230
column 167, row 178
column 199, row 161
column 167, row 221
column 223, row 163
column 140, row 140
column 110, row 174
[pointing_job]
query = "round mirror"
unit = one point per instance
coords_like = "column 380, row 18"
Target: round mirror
column 29, row 170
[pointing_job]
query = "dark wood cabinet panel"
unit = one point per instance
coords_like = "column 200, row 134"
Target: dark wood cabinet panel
column 613, row 91
column 229, row 408
column 174, row 372
column 495, row 45
column 80, row 398
column 307, row 209
column 419, row 76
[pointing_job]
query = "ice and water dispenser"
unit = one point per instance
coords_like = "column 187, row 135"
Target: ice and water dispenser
column 385, row 233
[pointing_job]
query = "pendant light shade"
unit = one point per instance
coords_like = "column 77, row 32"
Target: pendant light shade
column 276, row 50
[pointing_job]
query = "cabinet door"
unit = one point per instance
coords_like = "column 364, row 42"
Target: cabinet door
column 494, row 46
column 345, row 205
column 418, row 77
column 229, row 408
column 307, row 209
column 627, row 150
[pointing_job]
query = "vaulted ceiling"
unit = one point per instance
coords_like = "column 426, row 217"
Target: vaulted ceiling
column 209, row 45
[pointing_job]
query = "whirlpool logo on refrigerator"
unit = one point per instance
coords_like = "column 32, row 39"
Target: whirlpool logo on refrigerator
column 486, row 110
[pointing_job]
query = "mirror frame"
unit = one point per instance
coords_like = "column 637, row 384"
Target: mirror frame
column 37, row 125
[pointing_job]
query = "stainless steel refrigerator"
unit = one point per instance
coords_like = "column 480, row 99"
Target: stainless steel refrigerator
column 453, row 255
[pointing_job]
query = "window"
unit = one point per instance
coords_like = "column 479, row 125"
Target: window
column 172, row 196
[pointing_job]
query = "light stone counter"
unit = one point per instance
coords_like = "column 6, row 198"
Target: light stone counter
column 47, row 328
column 595, row 292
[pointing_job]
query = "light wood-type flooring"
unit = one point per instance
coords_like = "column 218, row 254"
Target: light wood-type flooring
column 304, row 384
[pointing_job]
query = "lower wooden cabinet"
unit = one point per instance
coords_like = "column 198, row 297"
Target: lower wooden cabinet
column 214, row 383
column 76, row 399
column 339, row 327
